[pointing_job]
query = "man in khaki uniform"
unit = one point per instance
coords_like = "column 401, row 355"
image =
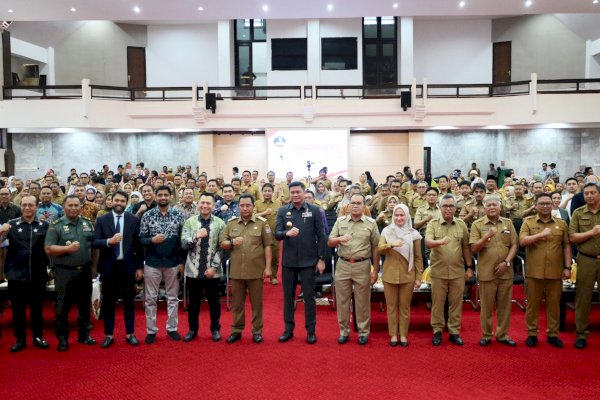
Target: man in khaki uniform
column 277, row 191
column 548, row 261
column 448, row 238
column 585, row 233
column 248, row 186
column 285, row 191
column 395, row 187
column 419, row 198
column 465, row 195
column 267, row 208
column 357, row 237
column 250, row 239
column 519, row 207
column 473, row 209
column 495, row 239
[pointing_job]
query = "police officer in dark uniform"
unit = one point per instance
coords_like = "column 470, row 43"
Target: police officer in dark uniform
column 69, row 240
column 26, row 272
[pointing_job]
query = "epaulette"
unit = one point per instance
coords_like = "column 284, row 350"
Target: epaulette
column 341, row 218
column 232, row 218
column 369, row 219
column 263, row 219
column 86, row 219
column 56, row 222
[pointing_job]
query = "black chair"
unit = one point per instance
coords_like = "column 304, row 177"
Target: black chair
column 322, row 281
column 519, row 280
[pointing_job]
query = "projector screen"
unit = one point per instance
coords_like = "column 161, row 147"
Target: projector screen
column 292, row 150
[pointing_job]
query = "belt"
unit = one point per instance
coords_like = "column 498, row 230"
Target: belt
column 354, row 260
column 72, row 267
column 588, row 255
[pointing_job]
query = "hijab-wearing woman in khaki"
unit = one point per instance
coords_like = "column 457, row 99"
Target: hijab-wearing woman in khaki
column 402, row 270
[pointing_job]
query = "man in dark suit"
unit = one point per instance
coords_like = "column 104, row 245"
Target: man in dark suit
column 300, row 226
column 120, row 263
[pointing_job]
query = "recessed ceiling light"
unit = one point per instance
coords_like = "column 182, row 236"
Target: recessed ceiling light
column 200, row 8
column 265, row 8
column 395, row 5
column 137, row 10
column 330, row 7
column 11, row 11
column 73, row 9
column 462, row 4
column 596, row 1
column 528, row 3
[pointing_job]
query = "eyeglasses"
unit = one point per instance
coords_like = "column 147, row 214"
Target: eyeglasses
column 448, row 206
column 544, row 204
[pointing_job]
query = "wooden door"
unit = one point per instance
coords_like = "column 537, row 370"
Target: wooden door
column 136, row 67
column 502, row 62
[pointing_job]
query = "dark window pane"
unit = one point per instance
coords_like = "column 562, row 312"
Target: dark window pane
column 339, row 53
column 242, row 29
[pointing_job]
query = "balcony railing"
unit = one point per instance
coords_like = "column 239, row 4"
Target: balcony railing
column 186, row 93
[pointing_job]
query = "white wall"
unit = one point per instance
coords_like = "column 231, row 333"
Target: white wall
column 280, row 29
column 453, row 51
column 542, row 44
column 178, row 55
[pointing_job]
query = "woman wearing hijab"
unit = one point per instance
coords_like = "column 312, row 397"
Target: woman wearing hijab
column 134, row 198
column 402, row 270
column 385, row 217
column 322, row 196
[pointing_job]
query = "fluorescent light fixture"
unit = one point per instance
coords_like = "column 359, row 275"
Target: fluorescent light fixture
column 330, row 7
column 443, row 128
column 596, row 1
column 462, row 4
column 265, row 8
column 496, row 127
column 556, row 125
column 137, row 9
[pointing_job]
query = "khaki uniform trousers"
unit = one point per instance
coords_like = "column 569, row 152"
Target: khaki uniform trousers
column 451, row 289
column 588, row 272
column 359, row 276
column 499, row 292
column 397, row 301
column 255, row 291
column 535, row 291
column 275, row 259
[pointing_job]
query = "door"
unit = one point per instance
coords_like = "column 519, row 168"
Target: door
column 502, row 62
column 136, row 67
column 380, row 58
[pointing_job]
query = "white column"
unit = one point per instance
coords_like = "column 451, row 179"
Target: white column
column 225, row 57
column 313, row 50
column 406, row 56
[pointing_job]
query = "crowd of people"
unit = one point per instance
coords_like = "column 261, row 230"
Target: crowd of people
column 133, row 225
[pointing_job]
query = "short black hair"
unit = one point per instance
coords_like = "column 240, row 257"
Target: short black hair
column 206, row 194
column 246, row 196
column 236, row 180
column 543, row 195
column 570, row 179
column 479, row 185
column 121, row 193
column 163, row 187
column 296, row 183
column 269, row 186
column 464, row 183
column 228, row 185
column 433, row 188
column 591, row 184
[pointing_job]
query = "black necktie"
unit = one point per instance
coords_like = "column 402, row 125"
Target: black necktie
column 118, row 230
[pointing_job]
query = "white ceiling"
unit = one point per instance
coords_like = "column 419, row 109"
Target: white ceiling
column 178, row 10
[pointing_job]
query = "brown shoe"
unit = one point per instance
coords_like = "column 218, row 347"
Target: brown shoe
column 274, row 281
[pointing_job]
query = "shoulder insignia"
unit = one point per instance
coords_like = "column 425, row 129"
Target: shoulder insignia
column 369, row 219
column 57, row 221
column 232, row 218
column 85, row 219
column 263, row 219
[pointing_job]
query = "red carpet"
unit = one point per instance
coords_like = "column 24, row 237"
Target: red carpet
column 294, row 370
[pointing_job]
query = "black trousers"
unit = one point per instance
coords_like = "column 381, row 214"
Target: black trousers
column 72, row 287
column 22, row 293
column 118, row 284
column 290, row 282
column 198, row 288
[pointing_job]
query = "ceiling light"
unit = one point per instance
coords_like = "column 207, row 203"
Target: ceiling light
column 596, row 1
column 265, row 8
column 73, row 9
column 462, row 4
column 137, row 10
column 395, row 5
column 330, row 7
column 11, row 11
column 528, row 3
column 200, row 8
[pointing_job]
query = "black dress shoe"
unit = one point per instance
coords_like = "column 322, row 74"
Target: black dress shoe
column 216, row 336
column 132, row 340
column 394, row 343
column 404, row 343
column 343, row 339
column 150, row 338
column 40, row 342
column 485, row 342
column 18, row 346
column 285, row 336
column 580, row 343
column 311, row 338
column 107, row 342
column 555, row 342
column 189, row 336
column 362, row 340
column 63, row 345
column 437, row 339
column 456, row 340
column 174, row 335
column 508, row 341
column 234, row 337
column 87, row 340
column 531, row 341
column 257, row 338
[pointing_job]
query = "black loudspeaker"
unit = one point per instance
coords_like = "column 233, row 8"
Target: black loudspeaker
column 43, row 80
column 405, row 100
column 211, row 102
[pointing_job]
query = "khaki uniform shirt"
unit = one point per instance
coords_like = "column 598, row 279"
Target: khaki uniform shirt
column 252, row 189
column 248, row 259
column 63, row 232
column 496, row 250
column 416, row 202
column 285, row 192
column 365, row 236
column 469, row 205
column 460, row 203
column 583, row 220
column 545, row 258
column 516, row 207
column 347, row 209
column 382, row 206
column 59, row 198
column 384, row 219
column 262, row 205
column 447, row 262
column 424, row 211
column 395, row 266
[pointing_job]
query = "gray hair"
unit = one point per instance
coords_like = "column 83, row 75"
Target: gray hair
column 446, row 197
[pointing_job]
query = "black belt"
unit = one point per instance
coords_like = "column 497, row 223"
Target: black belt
column 354, row 260
column 72, row 267
column 588, row 255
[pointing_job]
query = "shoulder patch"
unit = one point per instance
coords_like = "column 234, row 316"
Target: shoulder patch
column 369, row 219
column 85, row 219
column 263, row 219
column 232, row 218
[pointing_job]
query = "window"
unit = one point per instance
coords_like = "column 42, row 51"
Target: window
column 339, row 53
column 289, row 54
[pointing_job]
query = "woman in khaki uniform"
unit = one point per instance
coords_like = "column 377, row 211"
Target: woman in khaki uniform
column 402, row 270
column 385, row 217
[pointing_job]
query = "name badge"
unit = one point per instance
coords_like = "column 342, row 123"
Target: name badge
column 307, row 214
